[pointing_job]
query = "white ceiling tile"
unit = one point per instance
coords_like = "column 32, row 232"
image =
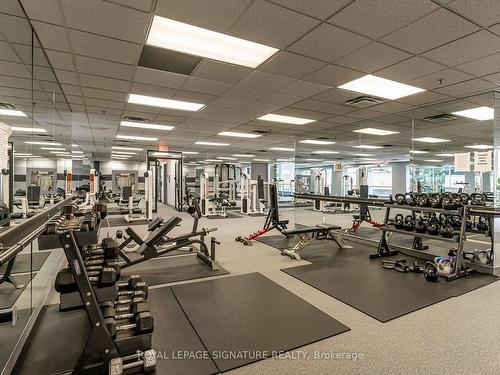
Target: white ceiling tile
column 206, row 86
column 272, row 25
column 466, row 88
column 71, row 89
column 435, row 29
column 66, row 76
column 230, row 103
column 291, row 65
column 151, row 90
column 9, row 68
column 52, row 37
column 104, row 103
column 409, row 69
column 336, row 96
column 333, row 75
column 484, row 12
column 425, row 97
column 376, row 18
column 60, row 60
column 373, row 57
column 280, row 99
column 95, row 15
column 159, row 77
column 217, row 15
column 311, row 105
column 104, row 83
column 46, row 11
column 7, row 53
column 304, row 89
column 196, row 97
column 319, row 9
column 390, row 107
column 441, row 78
column 328, row 43
column 72, row 99
column 104, row 48
column 337, row 109
column 15, row 29
column 266, row 81
column 241, row 92
column 219, row 71
column 142, row 5
column 104, row 68
column 11, row 7
column 466, row 49
column 493, row 78
column 482, row 66
column 104, row 94
column 20, row 83
column 289, row 111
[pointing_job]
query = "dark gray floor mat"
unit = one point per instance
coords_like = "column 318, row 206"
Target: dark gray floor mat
column 248, row 314
column 24, row 263
column 349, row 276
column 230, row 215
column 121, row 222
column 171, row 269
column 11, row 335
column 9, row 294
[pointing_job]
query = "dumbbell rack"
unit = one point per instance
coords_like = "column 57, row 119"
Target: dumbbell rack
column 461, row 269
column 100, row 347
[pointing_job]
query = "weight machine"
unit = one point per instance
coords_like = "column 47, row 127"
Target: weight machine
column 146, row 212
column 318, row 179
column 215, row 206
column 251, row 195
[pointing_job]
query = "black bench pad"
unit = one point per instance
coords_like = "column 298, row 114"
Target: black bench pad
column 317, row 228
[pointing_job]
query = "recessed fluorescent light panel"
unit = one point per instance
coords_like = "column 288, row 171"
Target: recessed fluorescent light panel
column 28, row 130
column 433, row 161
column 418, row 152
column 42, row 143
column 182, row 37
column 11, row 112
column 126, row 148
column 281, row 149
column 225, row 158
column 164, row 154
column 381, row 87
column 153, row 101
column 77, row 152
column 136, row 138
column 211, row 143
column 479, row 113
column 264, row 160
column 240, row 135
column 285, row 119
column 317, row 142
column 325, row 152
column 446, row 155
column 368, row 147
column 430, row 140
column 142, row 125
column 124, row 152
column 53, row 148
column 479, row 147
column 373, row 131
column 244, row 155
column 364, row 155
column 190, row 152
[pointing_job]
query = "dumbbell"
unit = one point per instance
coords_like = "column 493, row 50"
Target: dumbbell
column 140, row 287
column 65, row 282
column 144, row 323
column 109, row 310
column 106, row 276
column 132, row 294
column 129, row 302
column 131, row 282
column 99, row 265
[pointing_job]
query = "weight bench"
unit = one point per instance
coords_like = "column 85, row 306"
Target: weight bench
column 307, row 234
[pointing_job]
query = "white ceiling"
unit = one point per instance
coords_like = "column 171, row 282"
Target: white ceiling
column 450, row 48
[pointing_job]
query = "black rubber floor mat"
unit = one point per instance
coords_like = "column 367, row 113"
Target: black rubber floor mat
column 251, row 314
column 9, row 294
column 11, row 334
column 230, row 215
column 24, row 262
column 171, row 269
column 349, row 276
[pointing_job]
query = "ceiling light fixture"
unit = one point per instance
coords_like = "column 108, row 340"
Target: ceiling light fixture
column 373, row 131
column 141, row 125
column 240, row 135
column 479, row 147
column 164, row 154
column 244, row 155
column 418, row 152
column 136, row 138
column 182, row 37
column 325, row 152
column 282, row 149
column 74, row 145
column 430, row 140
column 126, row 148
column 317, row 142
column 364, row 155
column 264, row 160
column 479, row 113
column 285, row 119
column 124, row 152
column 381, row 87
column 28, row 130
column 77, row 152
column 225, row 158
column 190, row 152
column 446, row 155
column 60, row 152
column 53, row 148
column 42, row 143
column 211, row 143
column 433, row 160
column 368, row 147
column 11, row 112
column 153, row 101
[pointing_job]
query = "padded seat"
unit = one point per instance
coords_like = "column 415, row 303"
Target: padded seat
column 303, row 230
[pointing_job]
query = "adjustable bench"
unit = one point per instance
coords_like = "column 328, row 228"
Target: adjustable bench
column 307, row 234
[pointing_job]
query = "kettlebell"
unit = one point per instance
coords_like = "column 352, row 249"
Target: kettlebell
column 477, row 199
column 399, row 198
column 464, row 197
column 446, row 229
column 447, row 202
column 456, row 221
column 482, row 224
column 411, row 199
column 398, row 221
column 468, row 225
column 430, row 272
column 435, row 200
column 420, row 226
column 457, row 201
column 433, row 228
column 408, row 223
column 423, row 200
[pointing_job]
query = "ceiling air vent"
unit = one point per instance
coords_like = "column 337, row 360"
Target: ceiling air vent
column 7, row 106
column 363, row 101
column 441, row 118
column 261, row 131
column 135, row 119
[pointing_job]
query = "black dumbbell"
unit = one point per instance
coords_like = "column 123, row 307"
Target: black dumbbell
column 128, row 302
column 132, row 294
column 144, row 323
column 109, row 310
column 105, row 277
column 98, row 266
column 131, row 282
column 140, row 286
column 107, row 252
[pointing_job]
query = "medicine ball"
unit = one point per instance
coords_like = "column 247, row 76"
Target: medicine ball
column 430, row 272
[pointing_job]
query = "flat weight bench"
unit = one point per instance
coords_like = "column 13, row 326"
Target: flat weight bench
column 307, row 234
